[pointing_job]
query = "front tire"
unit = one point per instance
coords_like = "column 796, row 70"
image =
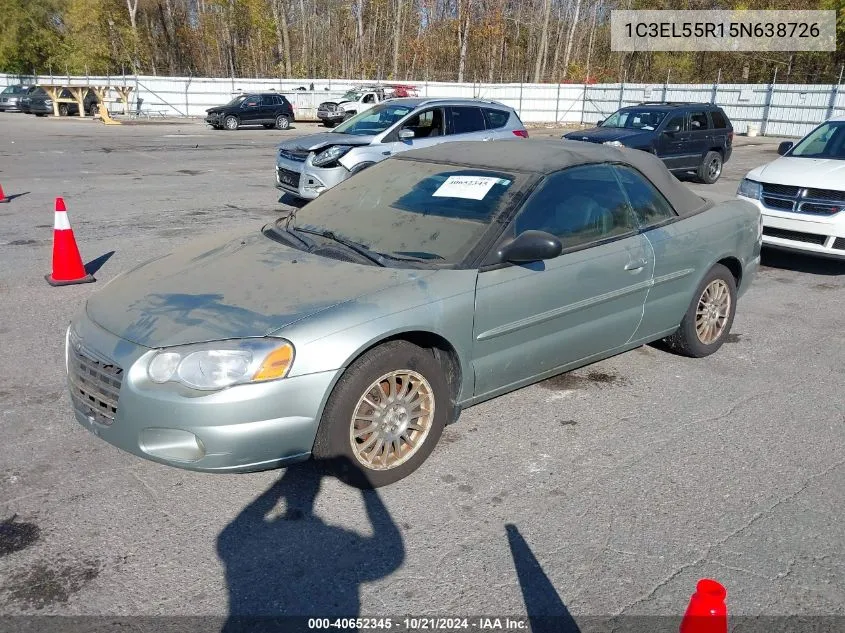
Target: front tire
column 709, row 317
column 63, row 109
column 710, row 168
column 231, row 122
column 384, row 416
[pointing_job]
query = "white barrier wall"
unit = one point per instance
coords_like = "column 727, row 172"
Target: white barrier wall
column 776, row 110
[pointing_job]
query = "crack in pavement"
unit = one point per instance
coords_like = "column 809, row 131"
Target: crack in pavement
column 705, row 556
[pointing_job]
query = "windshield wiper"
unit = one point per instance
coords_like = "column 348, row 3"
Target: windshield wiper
column 415, row 256
column 289, row 232
column 374, row 257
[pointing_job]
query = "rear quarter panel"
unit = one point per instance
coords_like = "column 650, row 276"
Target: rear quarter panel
column 686, row 250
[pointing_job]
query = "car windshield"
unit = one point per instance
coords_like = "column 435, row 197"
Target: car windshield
column 352, row 95
column 373, row 121
column 826, row 141
column 236, row 101
column 410, row 209
column 635, row 119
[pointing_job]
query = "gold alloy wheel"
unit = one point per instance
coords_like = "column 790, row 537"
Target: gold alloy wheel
column 711, row 315
column 392, row 420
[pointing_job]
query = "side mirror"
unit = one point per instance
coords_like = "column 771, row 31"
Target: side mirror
column 673, row 129
column 406, row 134
column 530, row 246
column 599, row 122
column 784, row 147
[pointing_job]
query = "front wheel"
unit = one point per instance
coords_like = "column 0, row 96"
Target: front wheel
column 384, row 416
column 231, row 122
column 63, row 109
column 282, row 122
column 710, row 168
column 709, row 317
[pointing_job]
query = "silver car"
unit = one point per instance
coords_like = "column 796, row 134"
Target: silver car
column 356, row 328
column 309, row 165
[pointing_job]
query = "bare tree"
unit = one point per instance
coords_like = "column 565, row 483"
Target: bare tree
column 544, row 42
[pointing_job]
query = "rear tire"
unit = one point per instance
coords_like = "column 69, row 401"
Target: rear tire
column 63, row 109
column 710, row 168
column 709, row 317
column 384, row 416
column 93, row 109
column 282, row 122
column 231, row 123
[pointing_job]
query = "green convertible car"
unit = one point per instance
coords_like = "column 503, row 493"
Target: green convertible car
column 355, row 328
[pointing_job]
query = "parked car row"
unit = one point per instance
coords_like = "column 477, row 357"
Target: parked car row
column 35, row 100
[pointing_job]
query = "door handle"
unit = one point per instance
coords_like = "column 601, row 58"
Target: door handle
column 636, row 265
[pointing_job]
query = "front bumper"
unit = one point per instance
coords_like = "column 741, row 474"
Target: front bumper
column 40, row 108
column 239, row 429
column 214, row 119
column 329, row 115
column 803, row 232
column 9, row 105
column 305, row 181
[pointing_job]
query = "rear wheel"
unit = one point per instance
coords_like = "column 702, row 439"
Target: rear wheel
column 282, row 122
column 93, row 109
column 231, row 122
column 710, row 168
column 63, row 109
column 709, row 317
column 384, row 416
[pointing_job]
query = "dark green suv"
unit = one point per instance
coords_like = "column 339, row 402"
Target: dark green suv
column 688, row 137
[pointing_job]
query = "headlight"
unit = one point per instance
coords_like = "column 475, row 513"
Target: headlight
column 213, row 366
column 48, row 102
column 613, row 143
column 330, row 155
column 750, row 189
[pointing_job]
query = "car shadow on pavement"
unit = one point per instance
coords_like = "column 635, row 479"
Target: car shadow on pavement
column 290, row 562
column 546, row 611
column 801, row 263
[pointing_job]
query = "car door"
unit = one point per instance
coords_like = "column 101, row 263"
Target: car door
column 700, row 134
column 466, row 123
column 428, row 127
column 540, row 318
column 674, row 248
column 670, row 142
column 269, row 105
column 250, row 112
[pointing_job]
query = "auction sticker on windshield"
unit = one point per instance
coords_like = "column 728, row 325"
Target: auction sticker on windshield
column 471, row 187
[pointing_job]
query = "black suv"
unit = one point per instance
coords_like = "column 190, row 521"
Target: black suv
column 688, row 137
column 265, row 108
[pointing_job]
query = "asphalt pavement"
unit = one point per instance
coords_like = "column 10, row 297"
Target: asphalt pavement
column 623, row 483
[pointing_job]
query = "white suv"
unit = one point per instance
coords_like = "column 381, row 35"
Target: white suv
column 802, row 194
column 309, row 165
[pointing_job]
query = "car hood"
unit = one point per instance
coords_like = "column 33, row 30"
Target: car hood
column 231, row 286
column 604, row 134
column 314, row 142
column 819, row 173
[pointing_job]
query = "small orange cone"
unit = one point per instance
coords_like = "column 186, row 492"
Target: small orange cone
column 67, row 262
column 2, row 195
column 707, row 612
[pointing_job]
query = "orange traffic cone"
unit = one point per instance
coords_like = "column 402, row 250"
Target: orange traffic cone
column 67, row 262
column 707, row 612
column 2, row 195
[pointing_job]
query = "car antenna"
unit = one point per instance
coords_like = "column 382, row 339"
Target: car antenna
column 291, row 217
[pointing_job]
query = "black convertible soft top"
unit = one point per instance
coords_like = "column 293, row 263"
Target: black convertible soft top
column 547, row 156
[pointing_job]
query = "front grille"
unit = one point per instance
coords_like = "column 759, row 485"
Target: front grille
column 783, row 190
column 778, row 203
column 796, row 236
column 94, row 384
column 839, row 243
column 328, row 106
column 288, row 177
column 290, row 154
column 803, row 199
